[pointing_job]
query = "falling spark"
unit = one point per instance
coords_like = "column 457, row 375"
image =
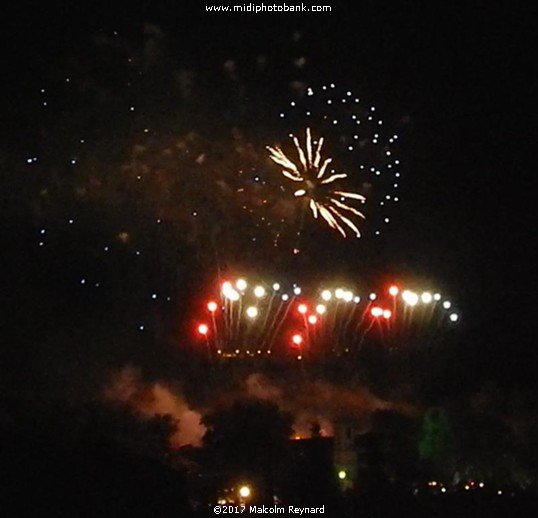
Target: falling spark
column 315, row 185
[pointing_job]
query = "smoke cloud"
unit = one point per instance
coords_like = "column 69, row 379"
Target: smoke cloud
column 318, row 402
column 153, row 399
column 315, row 404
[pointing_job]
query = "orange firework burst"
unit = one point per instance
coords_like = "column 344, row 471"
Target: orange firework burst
column 316, row 183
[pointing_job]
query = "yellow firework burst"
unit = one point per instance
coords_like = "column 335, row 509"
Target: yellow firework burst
column 316, row 183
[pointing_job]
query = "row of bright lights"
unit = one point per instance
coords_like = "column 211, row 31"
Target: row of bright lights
column 409, row 297
column 376, row 312
column 245, row 491
column 233, row 292
column 468, row 486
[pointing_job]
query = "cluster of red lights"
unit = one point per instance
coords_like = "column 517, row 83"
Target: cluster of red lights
column 203, row 329
column 297, row 339
column 306, row 318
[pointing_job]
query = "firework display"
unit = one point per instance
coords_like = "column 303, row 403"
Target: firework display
column 261, row 265
column 175, row 190
column 252, row 318
column 361, row 163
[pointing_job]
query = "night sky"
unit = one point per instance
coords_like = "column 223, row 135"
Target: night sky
column 458, row 81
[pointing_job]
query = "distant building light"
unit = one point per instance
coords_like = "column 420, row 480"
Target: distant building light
column 244, row 491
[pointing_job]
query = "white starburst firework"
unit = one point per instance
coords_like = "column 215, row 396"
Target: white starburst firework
column 316, row 184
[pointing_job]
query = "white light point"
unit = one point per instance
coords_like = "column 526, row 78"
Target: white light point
column 372, row 296
column 376, row 312
column 410, row 298
column 276, row 286
column 259, row 292
column 321, row 309
column 326, row 295
column 454, row 317
column 447, row 304
column 244, row 491
column 229, row 292
column 241, row 284
column 393, row 291
column 426, row 297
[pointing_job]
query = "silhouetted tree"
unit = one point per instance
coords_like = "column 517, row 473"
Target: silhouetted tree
column 89, row 461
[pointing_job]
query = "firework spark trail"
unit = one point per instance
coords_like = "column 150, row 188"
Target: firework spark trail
column 216, row 338
column 271, row 329
column 406, row 320
column 249, row 335
column 381, row 332
column 345, row 326
column 363, row 336
column 358, row 140
column 332, row 320
column 231, row 320
column 361, row 321
column 226, row 318
column 208, row 347
column 238, row 319
column 350, row 317
column 268, row 311
column 271, row 333
column 429, row 316
column 339, row 323
column 312, row 179
column 280, row 323
column 308, row 343
column 395, row 313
